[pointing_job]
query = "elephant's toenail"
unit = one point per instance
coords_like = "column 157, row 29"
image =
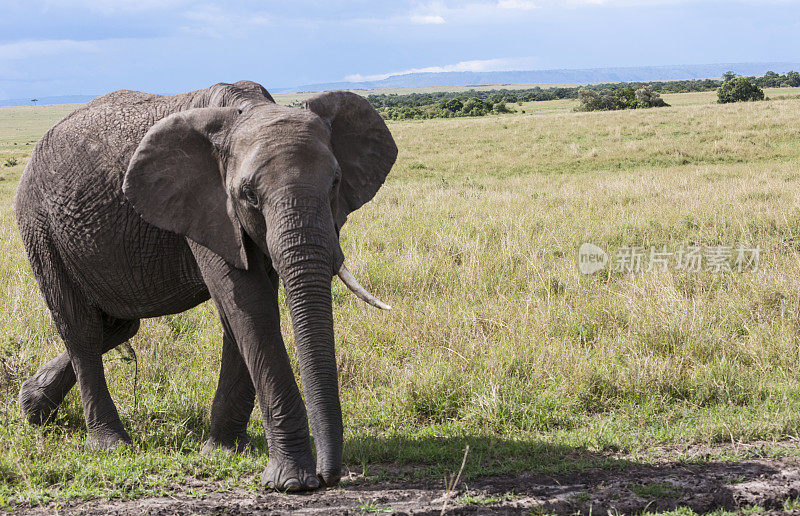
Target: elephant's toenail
column 329, row 479
column 312, row 482
column 292, row 484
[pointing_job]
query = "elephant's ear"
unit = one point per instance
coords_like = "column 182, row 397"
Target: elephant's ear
column 175, row 181
column 362, row 144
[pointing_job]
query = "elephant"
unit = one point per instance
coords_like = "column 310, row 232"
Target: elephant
column 139, row 205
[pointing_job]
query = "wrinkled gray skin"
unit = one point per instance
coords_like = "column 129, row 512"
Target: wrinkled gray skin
column 141, row 205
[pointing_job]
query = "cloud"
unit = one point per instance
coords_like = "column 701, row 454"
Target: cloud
column 631, row 3
column 517, row 5
column 119, row 6
column 471, row 11
column 216, row 23
column 480, row 65
column 46, row 47
column 455, row 11
column 428, row 19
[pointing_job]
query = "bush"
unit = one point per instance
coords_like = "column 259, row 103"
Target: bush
column 792, row 79
column 647, row 98
column 11, row 162
column 739, row 89
column 500, row 107
column 452, row 105
column 476, row 107
column 619, row 98
column 591, row 100
column 625, row 98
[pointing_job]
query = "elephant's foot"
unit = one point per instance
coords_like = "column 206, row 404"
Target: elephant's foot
column 291, row 475
column 236, row 445
column 105, row 438
column 329, row 476
column 38, row 405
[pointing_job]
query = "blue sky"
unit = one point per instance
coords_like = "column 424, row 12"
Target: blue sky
column 64, row 47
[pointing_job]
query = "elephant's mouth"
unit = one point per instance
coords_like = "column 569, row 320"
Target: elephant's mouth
column 362, row 293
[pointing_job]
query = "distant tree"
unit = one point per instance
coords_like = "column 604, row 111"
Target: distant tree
column 500, row 107
column 739, row 89
column 590, row 100
column 647, row 98
column 453, row 105
column 476, row 107
column 619, row 98
column 771, row 80
column 624, row 98
column 727, row 76
column 34, row 101
column 792, row 79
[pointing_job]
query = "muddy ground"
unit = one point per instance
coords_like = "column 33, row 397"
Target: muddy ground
column 699, row 477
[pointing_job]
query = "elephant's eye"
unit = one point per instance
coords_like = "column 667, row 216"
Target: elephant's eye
column 250, row 195
column 336, row 180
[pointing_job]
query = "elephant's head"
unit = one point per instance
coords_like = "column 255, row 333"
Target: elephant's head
column 286, row 179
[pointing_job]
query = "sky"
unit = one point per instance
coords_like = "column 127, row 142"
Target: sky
column 90, row 47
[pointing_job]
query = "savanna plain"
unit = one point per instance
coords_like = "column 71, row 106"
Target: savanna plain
column 497, row 342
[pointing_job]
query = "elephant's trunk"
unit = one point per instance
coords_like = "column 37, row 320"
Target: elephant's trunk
column 308, row 296
column 305, row 253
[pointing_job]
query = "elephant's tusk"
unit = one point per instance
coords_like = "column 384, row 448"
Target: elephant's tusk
column 349, row 280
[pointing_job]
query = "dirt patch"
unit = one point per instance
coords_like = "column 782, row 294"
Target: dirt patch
column 697, row 477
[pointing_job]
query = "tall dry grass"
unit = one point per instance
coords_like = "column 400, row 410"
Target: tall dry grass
column 496, row 338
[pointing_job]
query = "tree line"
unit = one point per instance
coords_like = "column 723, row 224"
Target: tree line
column 622, row 95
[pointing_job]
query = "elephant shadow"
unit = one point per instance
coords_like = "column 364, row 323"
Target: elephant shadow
column 556, row 478
column 567, row 479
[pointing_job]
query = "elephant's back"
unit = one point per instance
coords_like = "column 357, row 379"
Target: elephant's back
column 72, row 187
column 77, row 168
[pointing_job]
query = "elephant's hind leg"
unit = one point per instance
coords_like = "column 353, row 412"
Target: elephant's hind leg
column 41, row 395
column 82, row 329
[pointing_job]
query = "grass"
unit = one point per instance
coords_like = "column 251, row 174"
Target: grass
column 480, row 500
column 673, row 99
column 370, row 508
column 497, row 341
column 657, row 490
column 685, row 511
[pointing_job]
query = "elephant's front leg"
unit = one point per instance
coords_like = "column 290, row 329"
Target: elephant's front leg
column 233, row 402
column 247, row 304
column 235, row 396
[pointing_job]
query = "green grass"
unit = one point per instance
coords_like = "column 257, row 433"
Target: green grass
column 480, row 500
column 370, row 508
column 21, row 127
column 673, row 99
column 685, row 511
column 657, row 490
column 497, row 341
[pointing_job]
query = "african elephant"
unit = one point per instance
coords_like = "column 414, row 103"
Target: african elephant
column 141, row 205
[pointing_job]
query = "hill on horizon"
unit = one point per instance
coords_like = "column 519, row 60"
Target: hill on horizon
column 556, row 76
column 500, row 79
column 44, row 101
